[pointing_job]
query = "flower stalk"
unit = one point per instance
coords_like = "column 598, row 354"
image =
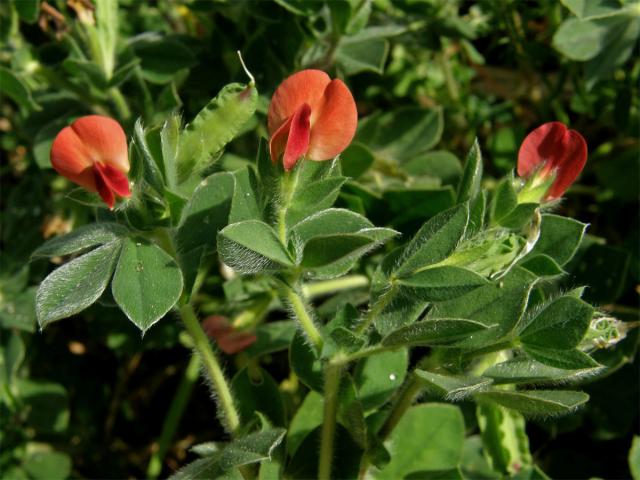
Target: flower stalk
column 228, row 412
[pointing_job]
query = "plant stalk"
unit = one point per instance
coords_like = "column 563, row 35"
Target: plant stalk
column 300, row 309
column 331, row 385
column 348, row 282
column 229, row 415
column 176, row 410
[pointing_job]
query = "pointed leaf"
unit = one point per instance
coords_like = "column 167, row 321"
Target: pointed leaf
column 537, row 402
column 81, row 238
column 451, row 387
column 76, row 285
column 434, row 331
column 442, row 283
column 147, row 283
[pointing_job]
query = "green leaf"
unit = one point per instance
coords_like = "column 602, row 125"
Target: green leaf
column 592, row 8
column 123, row 73
column 432, row 332
column 161, row 58
column 580, row 40
column 524, row 370
column 46, row 405
column 499, row 305
column 451, row 387
column 379, row 376
column 12, row 350
column 215, row 126
column 306, row 419
column 28, row 10
column 505, row 200
column 434, row 241
column 169, row 138
column 206, row 213
column 47, row 465
column 314, row 197
column 252, row 246
column 519, row 216
column 76, row 285
column 442, row 283
column 407, row 205
column 245, row 199
column 257, row 391
column 469, row 185
column 565, row 359
column 356, row 56
column 90, row 72
column 536, row 402
column 16, row 88
column 561, row 324
column 403, row 133
column 559, row 238
column 351, row 412
column 305, row 364
column 542, row 265
column 328, row 222
column 428, row 437
column 440, row 164
column 252, row 448
column 81, row 238
column 147, row 283
column 150, row 162
column 356, row 160
column 205, row 468
column 326, row 249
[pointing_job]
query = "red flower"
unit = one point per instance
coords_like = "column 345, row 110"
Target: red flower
column 310, row 115
column 92, row 152
column 553, row 150
column 228, row 339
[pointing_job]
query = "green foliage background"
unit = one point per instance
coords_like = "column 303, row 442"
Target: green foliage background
column 89, row 394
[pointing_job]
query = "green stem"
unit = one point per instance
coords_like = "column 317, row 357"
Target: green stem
column 405, row 400
column 331, row 384
column 229, row 414
column 449, row 79
column 375, row 310
column 288, row 186
column 174, row 415
column 120, row 103
column 300, row 309
column 318, row 289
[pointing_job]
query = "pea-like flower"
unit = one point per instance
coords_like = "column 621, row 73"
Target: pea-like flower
column 310, row 116
column 92, row 152
column 553, row 156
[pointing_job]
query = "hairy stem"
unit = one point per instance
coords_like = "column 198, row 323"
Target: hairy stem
column 408, row 394
column 375, row 310
column 228, row 413
column 172, row 420
column 299, row 307
column 331, row 384
column 348, row 282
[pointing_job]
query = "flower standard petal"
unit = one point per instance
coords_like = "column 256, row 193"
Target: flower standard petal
column 92, row 152
column 334, row 124
column 104, row 140
column 553, row 149
column 307, row 86
column 70, row 159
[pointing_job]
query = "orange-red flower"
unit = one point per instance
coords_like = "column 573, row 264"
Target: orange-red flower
column 552, row 151
column 226, row 336
column 312, row 116
column 92, row 152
